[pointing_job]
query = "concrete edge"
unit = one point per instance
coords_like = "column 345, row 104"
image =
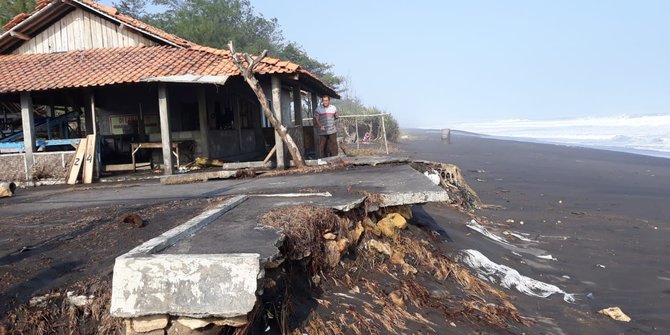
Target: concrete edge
column 191, row 226
column 351, row 205
column 399, row 199
column 194, row 177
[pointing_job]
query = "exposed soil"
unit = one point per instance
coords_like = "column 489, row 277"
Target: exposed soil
column 413, row 288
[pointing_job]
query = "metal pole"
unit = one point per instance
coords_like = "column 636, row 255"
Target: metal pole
column 384, row 132
column 358, row 140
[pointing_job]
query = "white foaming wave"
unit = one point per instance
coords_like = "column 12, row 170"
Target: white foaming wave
column 649, row 132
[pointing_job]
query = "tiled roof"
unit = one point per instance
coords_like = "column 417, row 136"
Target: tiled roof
column 113, row 12
column 101, row 67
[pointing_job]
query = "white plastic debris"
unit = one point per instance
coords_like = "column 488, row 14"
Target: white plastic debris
column 508, row 277
column 434, row 176
column 549, row 257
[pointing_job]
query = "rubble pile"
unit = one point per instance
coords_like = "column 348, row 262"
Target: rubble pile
column 370, row 273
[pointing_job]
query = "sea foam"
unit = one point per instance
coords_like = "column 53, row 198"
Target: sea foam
column 649, row 134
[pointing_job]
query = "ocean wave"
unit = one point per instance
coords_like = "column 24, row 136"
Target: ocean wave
column 625, row 133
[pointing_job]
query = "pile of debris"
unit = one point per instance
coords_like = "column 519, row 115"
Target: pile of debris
column 370, row 273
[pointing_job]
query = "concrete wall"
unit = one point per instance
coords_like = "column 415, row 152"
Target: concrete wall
column 12, row 167
column 48, row 166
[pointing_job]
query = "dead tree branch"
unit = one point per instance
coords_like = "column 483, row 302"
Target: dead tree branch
column 248, row 74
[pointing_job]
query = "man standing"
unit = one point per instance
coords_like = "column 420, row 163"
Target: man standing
column 324, row 119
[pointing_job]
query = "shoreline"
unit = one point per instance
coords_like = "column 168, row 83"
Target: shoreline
column 633, row 151
column 601, row 215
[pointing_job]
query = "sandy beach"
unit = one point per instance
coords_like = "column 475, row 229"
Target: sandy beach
column 601, row 215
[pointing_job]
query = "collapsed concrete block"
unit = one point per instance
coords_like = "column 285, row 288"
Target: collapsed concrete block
column 186, row 285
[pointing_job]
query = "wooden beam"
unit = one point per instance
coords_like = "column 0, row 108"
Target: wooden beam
column 267, row 158
column 315, row 131
column 28, row 123
column 166, row 137
column 19, row 35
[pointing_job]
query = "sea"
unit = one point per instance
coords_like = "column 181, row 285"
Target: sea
column 643, row 134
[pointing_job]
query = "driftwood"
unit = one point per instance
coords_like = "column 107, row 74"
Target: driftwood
column 248, row 74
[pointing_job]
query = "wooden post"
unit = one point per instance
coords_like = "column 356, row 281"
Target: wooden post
column 202, row 117
column 384, row 132
column 28, row 132
column 238, row 122
column 276, row 107
column 315, row 131
column 297, row 105
column 166, row 138
column 91, row 107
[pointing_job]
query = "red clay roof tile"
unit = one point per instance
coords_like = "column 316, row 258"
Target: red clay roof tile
column 99, row 67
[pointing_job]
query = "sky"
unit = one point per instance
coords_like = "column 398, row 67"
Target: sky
column 436, row 63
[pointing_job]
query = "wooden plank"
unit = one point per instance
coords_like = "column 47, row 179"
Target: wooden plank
column 65, row 29
column 89, row 159
column 87, row 31
column 77, row 162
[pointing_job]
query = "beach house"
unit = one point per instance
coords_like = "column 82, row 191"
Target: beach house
column 72, row 68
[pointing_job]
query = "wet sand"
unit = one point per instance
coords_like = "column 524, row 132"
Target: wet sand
column 604, row 216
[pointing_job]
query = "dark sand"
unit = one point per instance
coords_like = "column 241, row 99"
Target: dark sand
column 583, row 206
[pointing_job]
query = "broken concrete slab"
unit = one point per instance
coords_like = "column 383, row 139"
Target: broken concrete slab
column 185, row 285
column 194, row 177
column 238, row 231
column 145, row 283
column 187, row 270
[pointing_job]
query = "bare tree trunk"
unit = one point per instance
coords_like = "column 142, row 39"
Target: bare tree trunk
column 248, row 74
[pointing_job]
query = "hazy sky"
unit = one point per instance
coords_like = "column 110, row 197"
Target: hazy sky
column 435, row 63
